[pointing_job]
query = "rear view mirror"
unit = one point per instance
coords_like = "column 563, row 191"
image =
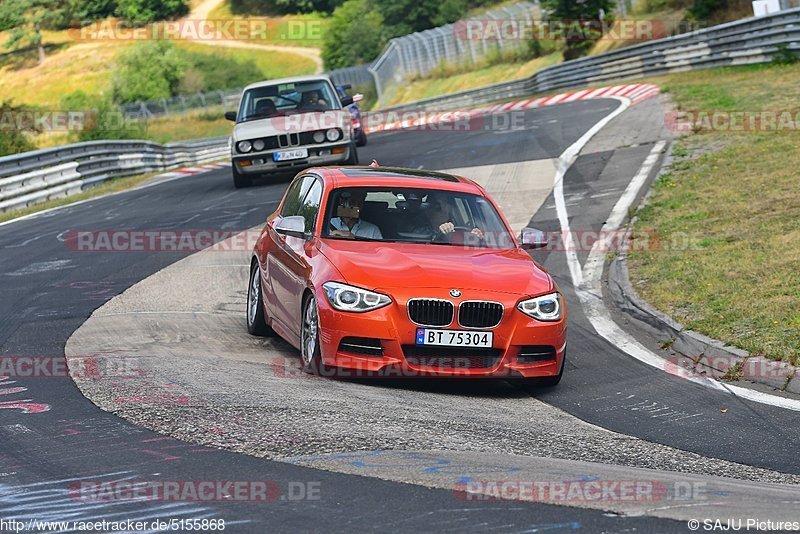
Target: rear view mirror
column 294, row 225
column 531, row 238
column 230, row 115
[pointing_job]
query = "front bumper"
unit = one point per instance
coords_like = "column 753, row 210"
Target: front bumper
column 515, row 334
column 254, row 163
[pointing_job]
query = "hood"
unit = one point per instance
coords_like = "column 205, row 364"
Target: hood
column 376, row 266
column 297, row 122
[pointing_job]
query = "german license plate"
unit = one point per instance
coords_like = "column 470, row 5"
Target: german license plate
column 454, row 338
column 297, row 153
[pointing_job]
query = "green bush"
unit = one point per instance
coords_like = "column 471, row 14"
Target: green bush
column 13, row 139
column 216, row 73
column 784, row 55
column 150, row 10
column 282, row 7
column 102, row 119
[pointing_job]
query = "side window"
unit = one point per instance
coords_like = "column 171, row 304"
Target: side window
column 311, row 203
column 295, row 194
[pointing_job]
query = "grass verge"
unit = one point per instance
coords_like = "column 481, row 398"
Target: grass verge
column 729, row 208
column 436, row 85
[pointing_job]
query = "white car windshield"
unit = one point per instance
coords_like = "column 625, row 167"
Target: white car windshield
column 287, row 98
column 428, row 216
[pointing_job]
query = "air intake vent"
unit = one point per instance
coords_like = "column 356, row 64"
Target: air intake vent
column 451, row 358
column 366, row 346
column 536, row 353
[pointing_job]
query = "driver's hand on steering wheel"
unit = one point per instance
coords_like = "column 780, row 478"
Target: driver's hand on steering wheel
column 447, row 228
column 477, row 232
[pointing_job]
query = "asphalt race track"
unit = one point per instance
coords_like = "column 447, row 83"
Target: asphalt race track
column 52, row 436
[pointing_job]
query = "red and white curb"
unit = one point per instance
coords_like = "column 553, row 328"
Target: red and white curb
column 636, row 92
column 187, row 171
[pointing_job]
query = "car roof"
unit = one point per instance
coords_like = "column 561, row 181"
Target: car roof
column 293, row 79
column 366, row 176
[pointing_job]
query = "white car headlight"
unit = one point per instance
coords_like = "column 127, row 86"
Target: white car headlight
column 244, row 146
column 333, row 134
column 544, row 308
column 258, row 145
column 353, row 299
column 319, row 137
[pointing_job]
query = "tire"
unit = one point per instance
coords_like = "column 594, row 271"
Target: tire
column 240, row 180
column 353, row 159
column 362, row 138
column 256, row 321
column 310, row 353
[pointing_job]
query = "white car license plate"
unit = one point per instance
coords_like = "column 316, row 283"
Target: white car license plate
column 296, row 153
column 454, row 338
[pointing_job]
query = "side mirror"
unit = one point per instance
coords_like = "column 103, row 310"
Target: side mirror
column 230, row 115
column 532, row 238
column 347, row 86
column 346, row 100
column 294, row 225
column 358, row 97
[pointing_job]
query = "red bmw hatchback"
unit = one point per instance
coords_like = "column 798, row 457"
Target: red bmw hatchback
column 400, row 272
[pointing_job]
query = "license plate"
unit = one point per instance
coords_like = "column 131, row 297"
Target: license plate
column 454, row 338
column 296, row 153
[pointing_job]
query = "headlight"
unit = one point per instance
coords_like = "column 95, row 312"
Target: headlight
column 544, row 308
column 319, row 136
column 244, row 146
column 258, row 145
column 353, row 299
column 333, row 134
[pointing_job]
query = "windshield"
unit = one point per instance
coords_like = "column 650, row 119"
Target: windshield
column 287, row 98
column 415, row 216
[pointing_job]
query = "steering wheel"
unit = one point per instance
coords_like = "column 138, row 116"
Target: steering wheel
column 461, row 235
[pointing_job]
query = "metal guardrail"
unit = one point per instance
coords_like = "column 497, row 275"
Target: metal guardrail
column 420, row 53
column 33, row 177
column 748, row 41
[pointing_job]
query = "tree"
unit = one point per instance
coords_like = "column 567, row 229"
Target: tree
column 402, row 17
column 582, row 20
column 85, row 10
column 355, row 35
column 149, row 71
column 25, row 19
column 150, row 10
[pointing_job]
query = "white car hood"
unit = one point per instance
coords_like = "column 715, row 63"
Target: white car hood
column 296, row 123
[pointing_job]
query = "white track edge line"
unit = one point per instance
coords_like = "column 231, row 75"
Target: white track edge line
column 591, row 299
